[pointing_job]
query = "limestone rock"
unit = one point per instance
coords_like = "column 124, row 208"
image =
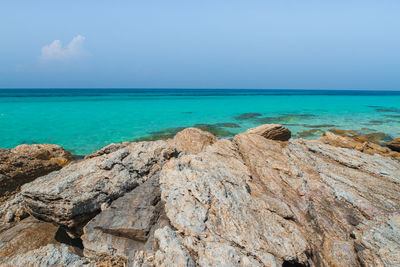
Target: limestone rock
column 74, row 194
column 193, row 140
column 24, row 163
column 50, row 255
column 394, row 145
column 271, row 131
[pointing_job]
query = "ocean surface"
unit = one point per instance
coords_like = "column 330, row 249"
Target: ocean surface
column 84, row 120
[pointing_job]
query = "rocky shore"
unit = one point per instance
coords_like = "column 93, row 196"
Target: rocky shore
column 260, row 199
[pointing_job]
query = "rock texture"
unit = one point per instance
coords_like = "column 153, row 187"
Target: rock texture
column 193, row 140
column 271, row 131
column 198, row 201
column 28, row 235
column 74, row 194
column 394, row 145
column 50, row 255
column 360, row 143
column 12, row 210
column 24, row 163
column 126, row 225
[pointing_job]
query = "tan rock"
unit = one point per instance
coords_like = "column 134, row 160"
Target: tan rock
column 193, row 140
column 271, row 131
column 394, row 145
column 24, row 163
column 357, row 142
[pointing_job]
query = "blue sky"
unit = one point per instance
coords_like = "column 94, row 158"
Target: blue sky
column 284, row 44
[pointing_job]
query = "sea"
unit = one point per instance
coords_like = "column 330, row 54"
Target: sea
column 84, row 120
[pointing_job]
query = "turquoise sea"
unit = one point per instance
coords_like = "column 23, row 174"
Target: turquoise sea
column 84, row 120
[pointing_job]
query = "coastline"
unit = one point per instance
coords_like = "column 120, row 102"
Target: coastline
column 264, row 197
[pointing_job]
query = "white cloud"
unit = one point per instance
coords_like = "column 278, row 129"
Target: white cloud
column 56, row 52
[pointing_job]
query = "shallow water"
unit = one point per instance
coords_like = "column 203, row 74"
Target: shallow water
column 84, row 120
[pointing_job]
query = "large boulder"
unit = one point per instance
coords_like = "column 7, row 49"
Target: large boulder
column 73, row 195
column 24, row 163
column 193, row 140
column 257, row 202
column 271, row 131
column 394, row 145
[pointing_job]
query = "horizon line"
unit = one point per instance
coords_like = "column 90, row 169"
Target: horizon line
column 183, row 88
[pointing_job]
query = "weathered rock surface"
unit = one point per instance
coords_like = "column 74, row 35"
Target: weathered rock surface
column 358, row 143
column 50, row 255
column 193, row 140
column 74, row 194
column 334, row 194
column 27, row 235
column 24, row 163
column 127, row 225
column 394, row 145
column 107, row 149
column 252, row 201
column 12, row 210
column 271, row 131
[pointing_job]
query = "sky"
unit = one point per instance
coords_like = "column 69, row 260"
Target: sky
column 287, row 44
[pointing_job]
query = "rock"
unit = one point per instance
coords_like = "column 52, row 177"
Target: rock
column 52, row 153
column 12, row 210
column 271, row 131
column 223, row 216
column 394, row 145
column 251, row 201
column 127, row 225
column 259, row 202
column 331, row 194
column 50, row 255
column 357, row 142
column 193, row 140
column 24, row 163
column 107, row 149
column 27, row 235
column 73, row 195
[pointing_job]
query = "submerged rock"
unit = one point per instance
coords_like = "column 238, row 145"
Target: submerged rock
column 24, row 163
column 215, row 129
column 310, row 133
column 247, row 116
